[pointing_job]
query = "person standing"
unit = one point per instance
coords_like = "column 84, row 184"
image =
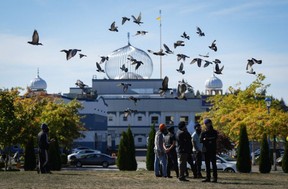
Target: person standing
column 197, row 149
column 209, row 138
column 170, row 147
column 43, row 146
column 184, row 148
column 160, row 153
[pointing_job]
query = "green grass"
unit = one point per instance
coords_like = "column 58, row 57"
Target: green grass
column 135, row 179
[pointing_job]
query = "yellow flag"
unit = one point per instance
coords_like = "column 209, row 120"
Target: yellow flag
column 158, row 18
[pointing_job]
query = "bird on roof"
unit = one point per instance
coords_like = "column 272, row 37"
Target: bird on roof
column 205, row 56
column 141, row 32
column 128, row 112
column 181, row 89
column 113, row 27
column 103, row 59
column 159, row 53
column 123, row 68
column 164, row 87
column 70, row 53
column 181, row 68
column 178, row 43
column 134, row 99
column 213, row 46
column 35, row 39
column 218, row 70
column 198, row 60
column 167, row 49
column 207, row 63
column 125, row 86
column 185, row 36
column 199, row 32
column 137, row 20
column 182, row 57
column 80, row 84
column 99, row 69
column 124, row 19
column 82, row 55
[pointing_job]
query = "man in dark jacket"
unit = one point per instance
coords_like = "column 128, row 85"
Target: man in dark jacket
column 208, row 138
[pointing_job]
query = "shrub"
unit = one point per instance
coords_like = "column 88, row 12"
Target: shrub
column 29, row 156
column 150, row 149
column 122, row 159
column 243, row 153
column 285, row 159
column 54, row 156
column 132, row 166
column 264, row 158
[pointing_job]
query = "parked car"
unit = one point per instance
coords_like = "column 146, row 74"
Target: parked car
column 94, row 159
column 279, row 160
column 80, row 148
column 80, row 153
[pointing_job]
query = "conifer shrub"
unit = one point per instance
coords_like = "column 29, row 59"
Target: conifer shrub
column 285, row 159
column 132, row 166
column 150, row 149
column 54, row 156
column 243, row 152
column 264, row 158
column 122, row 156
column 29, row 156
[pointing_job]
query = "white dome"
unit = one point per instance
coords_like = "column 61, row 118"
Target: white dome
column 38, row 84
column 213, row 83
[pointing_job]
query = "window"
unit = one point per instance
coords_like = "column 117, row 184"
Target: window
column 185, row 119
column 139, row 118
column 124, row 118
column 139, row 140
column 154, row 119
column 110, row 118
column 169, row 120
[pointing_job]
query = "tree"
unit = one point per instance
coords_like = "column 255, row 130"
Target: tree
column 132, row 166
column 150, row 149
column 29, row 156
column 243, row 153
column 54, row 156
column 285, row 158
column 122, row 158
column 264, row 159
column 224, row 143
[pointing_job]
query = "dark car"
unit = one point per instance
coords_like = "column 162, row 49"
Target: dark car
column 94, row 159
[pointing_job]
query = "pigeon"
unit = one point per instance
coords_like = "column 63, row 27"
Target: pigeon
column 131, row 58
column 189, row 87
column 217, row 69
column 182, row 56
column 70, row 53
column 141, row 33
column 198, row 60
column 134, row 99
column 181, row 91
column 138, row 64
column 207, row 63
column 80, row 84
column 99, row 69
column 124, row 19
column 178, row 43
column 199, row 32
column 249, row 66
column 123, row 68
column 125, row 86
column 137, row 20
column 185, row 36
column 103, row 59
column 213, row 46
column 181, row 67
column 128, row 112
column 113, row 27
column 35, row 39
column 205, row 56
column 159, row 53
column 167, row 50
column 82, row 55
column 217, row 61
column 164, row 87
column 257, row 61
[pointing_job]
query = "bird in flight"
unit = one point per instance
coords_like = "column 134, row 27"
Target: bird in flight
column 181, row 89
column 70, row 53
column 35, row 39
column 178, row 43
column 164, row 87
column 185, row 36
column 205, row 56
column 181, row 68
column 137, row 20
column 99, row 69
column 198, row 60
column 182, row 57
column 250, row 63
column 213, row 46
column 125, row 86
column 207, row 63
column 113, row 27
column 167, row 49
column 80, row 84
column 159, row 53
column 124, row 19
column 104, row 59
column 134, row 99
column 199, row 32
column 128, row 112
column 123, row 68
column 217, row 69
column 82, row 55
column 141, row 33
column 137, row 63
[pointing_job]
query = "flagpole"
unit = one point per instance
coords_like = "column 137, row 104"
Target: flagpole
column 160, row 43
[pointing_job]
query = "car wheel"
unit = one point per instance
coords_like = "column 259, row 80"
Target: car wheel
column 105, row 164
column 229, row 170
column 78, row 164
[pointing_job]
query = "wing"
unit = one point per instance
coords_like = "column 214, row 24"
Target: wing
column 199, row 60
column 165, row 83
column 35, row 37
column 98, row 66
column 181, row 66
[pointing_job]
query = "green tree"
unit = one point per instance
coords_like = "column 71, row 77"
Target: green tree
column 29, row 156
column 243, row 153
column 264, row 159
column 132, row 166
column 285, row 158
column 150, row 149
column 122, row 157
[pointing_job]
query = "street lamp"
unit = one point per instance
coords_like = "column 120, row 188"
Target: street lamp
column 268, row 101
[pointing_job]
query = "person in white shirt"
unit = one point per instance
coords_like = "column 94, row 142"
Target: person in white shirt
column 197, row 148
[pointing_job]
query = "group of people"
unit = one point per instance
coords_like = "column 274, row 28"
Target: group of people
column 170, row 147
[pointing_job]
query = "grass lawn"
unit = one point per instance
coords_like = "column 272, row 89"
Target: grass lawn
column 135, row 180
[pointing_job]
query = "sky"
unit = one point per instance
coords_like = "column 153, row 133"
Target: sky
column 243, row 29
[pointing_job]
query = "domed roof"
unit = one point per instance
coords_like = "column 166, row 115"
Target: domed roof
column 118, row 58
column 213, row 83
column 38, row 83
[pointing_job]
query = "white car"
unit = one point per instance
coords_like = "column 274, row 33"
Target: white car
column 80, row 153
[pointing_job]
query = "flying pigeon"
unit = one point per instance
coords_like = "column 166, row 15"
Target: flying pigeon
column 123, row 68
column 125, row 86
column 99, row 69
column 207, row 63
column 138, row 64
column 199, row 32
column 205, row 56
column 82, row 55
column 181, row 91
column 133, row 99
column 217, row 61
column 141, row 33
column 213, row 46
column 80, row 84
column 70, row 53
column 217, row 69
column 178, row 43
column 124, row 19
column 35, row 39
column 167, row 50
column 164, row 87
column 159, row 53
column 198, row 60
column 128, row 112
column 181, row 67
column 249, row 66
column 113, row 27
column 257, row 61
column 185, row 36
column 103, row 59
column 182, row 56
column 137, row 20
column 131, row 58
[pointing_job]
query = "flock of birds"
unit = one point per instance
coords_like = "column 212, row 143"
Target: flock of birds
column 183, row 86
